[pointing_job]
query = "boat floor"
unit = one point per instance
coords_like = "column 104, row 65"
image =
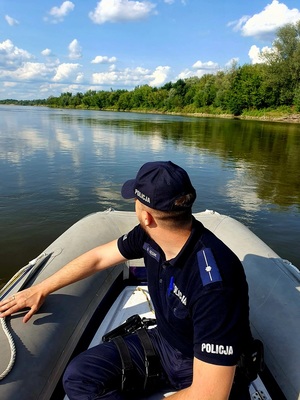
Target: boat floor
column 136, row 300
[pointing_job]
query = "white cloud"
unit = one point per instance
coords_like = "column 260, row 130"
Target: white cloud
column 199, row 69
column 127, row 76
column 28, row 71
column 103, row 60
column 159, row 76
column 11, row 56
column 105, row 78
column 11, row 21
column 58, row 14
column 66, row 71
column 265, row 24
column 120, row 10
column 16, row 66
column 131, row 77
column 209, row 65
column 51, row 88
column 9, row 84
column 186, row 73
column 238, row 25
column 233, row 61
column 74, row 50
column 256, row 54
column 79, row 77
column 46, row 52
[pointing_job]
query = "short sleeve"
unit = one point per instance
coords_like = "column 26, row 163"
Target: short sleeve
column 217, row 326
column 130, row 245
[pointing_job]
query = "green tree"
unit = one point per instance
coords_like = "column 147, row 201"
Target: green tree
column 284, row 63
column 65, row 99
column 159, row 98
column 142, row 97
column 103, row 100
column 247, row 89
column 205, row 91
column 76, row 100
column 88, row 99
column 124, row 101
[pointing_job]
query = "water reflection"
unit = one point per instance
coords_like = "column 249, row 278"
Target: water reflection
column 59, row 165
column 242, row 188
column 264, row 156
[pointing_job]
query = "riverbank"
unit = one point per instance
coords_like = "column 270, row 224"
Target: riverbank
column 284, row 114
column 271, row 116
column 268, row 116
column 290, row 118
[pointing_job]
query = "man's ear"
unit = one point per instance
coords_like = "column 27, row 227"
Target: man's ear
column 147, row 218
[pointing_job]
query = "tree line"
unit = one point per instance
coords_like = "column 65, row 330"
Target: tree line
column 274, row 83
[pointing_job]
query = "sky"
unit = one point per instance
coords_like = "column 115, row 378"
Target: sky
column 49, row 47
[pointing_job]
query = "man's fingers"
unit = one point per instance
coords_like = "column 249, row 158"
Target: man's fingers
column 12, row 304
column 28, row 298
column 8, row 302
column 8, row 310
column 29, row 315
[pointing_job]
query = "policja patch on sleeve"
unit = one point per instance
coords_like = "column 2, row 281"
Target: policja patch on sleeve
column 208, row 268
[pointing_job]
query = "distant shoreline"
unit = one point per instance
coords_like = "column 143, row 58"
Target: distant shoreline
column 293, row 118
column 287, row 118
column 269, row 116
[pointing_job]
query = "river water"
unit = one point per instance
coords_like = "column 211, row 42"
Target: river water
column 60, row 165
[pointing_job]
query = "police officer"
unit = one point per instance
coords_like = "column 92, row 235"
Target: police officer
column 198, row 289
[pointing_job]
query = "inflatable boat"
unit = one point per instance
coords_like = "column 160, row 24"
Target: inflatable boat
column 34, row 355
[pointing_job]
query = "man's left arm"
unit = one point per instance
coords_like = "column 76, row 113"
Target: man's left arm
column 210, row 382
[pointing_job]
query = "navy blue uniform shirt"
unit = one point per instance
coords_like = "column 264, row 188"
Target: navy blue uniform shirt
column 200, row 297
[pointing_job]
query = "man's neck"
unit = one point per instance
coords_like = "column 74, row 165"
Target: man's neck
column 171, row 241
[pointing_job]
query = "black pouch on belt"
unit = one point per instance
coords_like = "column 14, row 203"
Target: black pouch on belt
column 251, row 362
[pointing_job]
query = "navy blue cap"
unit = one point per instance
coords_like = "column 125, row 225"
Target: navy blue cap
column 158, row 185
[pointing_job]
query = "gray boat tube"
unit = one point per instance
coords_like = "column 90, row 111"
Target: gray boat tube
column 45, row 344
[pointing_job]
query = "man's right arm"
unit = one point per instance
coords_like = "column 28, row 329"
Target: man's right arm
column 87, row 264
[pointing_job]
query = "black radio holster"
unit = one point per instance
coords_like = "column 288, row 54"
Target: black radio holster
column 135, row 324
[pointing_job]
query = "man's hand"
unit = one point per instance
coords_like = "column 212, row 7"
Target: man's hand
column 87, row 264
column 31, row 298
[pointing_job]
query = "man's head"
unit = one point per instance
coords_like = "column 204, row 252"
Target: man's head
column 162, row 186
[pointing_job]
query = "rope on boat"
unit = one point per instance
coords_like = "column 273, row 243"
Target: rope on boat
column 12, row 346
column 146, row 294
column 19, row 275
